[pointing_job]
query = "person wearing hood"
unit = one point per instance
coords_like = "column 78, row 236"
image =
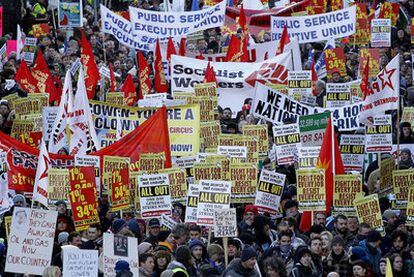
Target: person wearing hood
column 406, row 133
column 234, row 249
column 183, row 262
column 406, row 161
column 371, row 248
column 264, row 235
column 303, row 263
column 162, row 257
column 244, row 266
column 199, row 253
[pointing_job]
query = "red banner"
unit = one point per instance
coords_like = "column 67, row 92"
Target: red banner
column 362, row 34
column 83, row 197
column 120, row 193
column 335, row 61
column 31, row 138
column 390, row 11
column 41, row 30
column 374, row 58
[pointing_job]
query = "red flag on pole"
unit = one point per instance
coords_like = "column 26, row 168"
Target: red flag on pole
column 25, row 79
column 44, row 78
column 160, row 83
column 128, row 88
column 91, row 69
column 284, row 40
column 181, row 51
column 237, row 51
column 112, row 77
column 145, row 85
column 330, row 160
column 170, row 49
column 210, row 76
column 364, row 85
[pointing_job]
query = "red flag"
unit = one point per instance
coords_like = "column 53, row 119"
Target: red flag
column 242, row 20
column 160, row 83
column 25, row 79
column 181, row 51
column 266, row 56
column 145, row 85
column 237, row 51
column 330, row 160
column 314, row 78
column 210, row 76
column 284, row 40
column 128, row 88
column 91, row 69
column 200, row 57
column 170, row 49
column 364, row 85
column 44, row 78
column 112, row 77
column 305, row 221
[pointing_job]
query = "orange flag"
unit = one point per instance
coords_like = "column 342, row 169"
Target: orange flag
column 330, row 160
column 25, row 79
column 91, row 69
column 210, row 76
column 181, row 51
column 160, row 83
column 237, row 51
column 170, row 49
column 145, row 85
column 44, row 78
column 112, row 77
column 284, row 40
column 128, row 88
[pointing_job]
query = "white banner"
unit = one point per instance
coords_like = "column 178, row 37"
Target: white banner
column 77, row 262
column 236, row 81
column 313, row 28
column 150, row 25
column 5, row 201
column 49, row 115
column 352, row 148
column 117, row 248
column 380, row 32
column 379, row 135
column 338, row 94
column 225, row 223
column 269, row 191
column 213, row 195
column 287, row 141
column 30, row 244
column 191, row 204
column 154, row 195
column 274, row 106
column 308, row 156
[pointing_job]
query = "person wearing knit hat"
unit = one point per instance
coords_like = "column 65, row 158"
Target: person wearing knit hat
column 144, row 247
column 162, row 258
column 117, row 225
column 234, row 248
column 406, row 160
column 371, row 249
column 303, row 259
column 246, row 225
column 63, row 238
column 19, row 200
column 244, row 266
column 338, row 259
column 199, row 253
column 121, row 265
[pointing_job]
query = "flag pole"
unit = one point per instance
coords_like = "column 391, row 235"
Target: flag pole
column 398, row 133
column 332, row 151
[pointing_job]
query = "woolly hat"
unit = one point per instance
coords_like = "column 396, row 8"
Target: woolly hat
column 214, row 249
column 117, row 225
column 183, row 254
column 144, row 247
column 248, row 253
column 133, row 226
column 19, row 198
column 301, row 251
column 63, row 237
column 373, row 236
column 121, row 265
column 236, row 242
column 195, row 242
column 252, row 209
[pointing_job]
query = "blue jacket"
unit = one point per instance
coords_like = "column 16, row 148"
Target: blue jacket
column 374, row 255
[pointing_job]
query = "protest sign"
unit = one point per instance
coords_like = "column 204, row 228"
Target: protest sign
column 402, row 181
column 308, row 156
column 191, row 204
column 379, row 135
column 380, row 32
column 369, row 212
column 244, row 178
column 83, row 197
column 5, row 200
column 116, row 248
column 208, row 106
column 408, row 115
column 338, row 95
column 3, row 55
column 260, row 131
column 119, row 195
column 361, row 36
column 148, row 25
column 49, row 115
column 311, row 189
column 21, row 127
column 154, row 195
column 352, row 148
column 312, row 128
column 237, row 152
column 109, row 165
column 178, row 184
column 30, row 246
column 390, row 11
column 222, row 161
column 168, row 222
column 287, row 141
column 70, row 13
column 237, row 140
column 89, row 160
column 313, row 28
column 32, row 104
column 41, row 30
column 212, row 195
column 78, row 262
column 134, row 192
column 276, row 107
column 116, row 98
column 346, row 189
column 225, row 223
column 269, row 191
column 183, row 123
column 335, row 61
column 236, row 81
column 150, row 162
column 207, row 171
column 209, row 132
column 58, row 188
column 374, row 61
column 387, row 166
column 299, row 83
column 184, row 162
column 29, row 50
column 410, row 207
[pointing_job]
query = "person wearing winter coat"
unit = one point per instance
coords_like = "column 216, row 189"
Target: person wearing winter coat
column 303, row 265
column 244, row 266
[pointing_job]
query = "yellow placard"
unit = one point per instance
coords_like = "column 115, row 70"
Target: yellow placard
column 311, row 189
column 59, row 186
column 346, row 189
column 178, row 183
column 402, row 180
column 244, row 182
column 205, row 89
column 261, row 132
column 386, row 168
column 116, row 98
column 369, row 212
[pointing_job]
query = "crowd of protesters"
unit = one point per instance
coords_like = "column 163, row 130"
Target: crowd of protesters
column 335, row 245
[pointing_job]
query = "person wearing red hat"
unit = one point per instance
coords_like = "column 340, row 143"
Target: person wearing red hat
column 246, row 225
